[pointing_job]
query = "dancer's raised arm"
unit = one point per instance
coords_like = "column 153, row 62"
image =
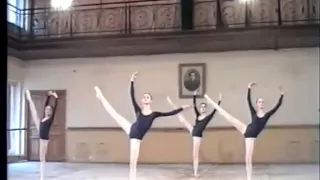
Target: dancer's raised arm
column 54, row 106
column 34, row 113
column 136, row 107
column 195, row 104
column 180, row 116
column 252, row 110
column 173, row 112
column 276, row 107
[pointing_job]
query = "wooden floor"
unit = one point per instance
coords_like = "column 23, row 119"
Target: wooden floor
column 72, row 171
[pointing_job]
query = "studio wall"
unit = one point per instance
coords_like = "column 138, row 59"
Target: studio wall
column 297, row 70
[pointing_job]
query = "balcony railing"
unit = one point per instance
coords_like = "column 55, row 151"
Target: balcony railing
column 127, row 18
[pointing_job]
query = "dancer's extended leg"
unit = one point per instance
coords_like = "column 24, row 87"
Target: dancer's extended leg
column 134, row 155
column 186, row 123
column 249, row 142
column 42, row 156
column 122, row 122
column 196, row 148
column 33, row 109
column 240, row 126
column 181, row 117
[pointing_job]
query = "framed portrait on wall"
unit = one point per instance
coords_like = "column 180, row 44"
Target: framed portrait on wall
column 192, row 77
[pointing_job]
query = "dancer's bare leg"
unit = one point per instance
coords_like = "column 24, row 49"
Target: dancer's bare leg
column 240, row 126
column 249, row 142
column 34, row 113
column 134, row 155
column 181, row 117
column 185, row 123
column 196, row 148
column 122, row 122
column 42, row 156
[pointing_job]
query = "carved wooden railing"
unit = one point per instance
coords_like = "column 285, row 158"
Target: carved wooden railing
column 129, row 17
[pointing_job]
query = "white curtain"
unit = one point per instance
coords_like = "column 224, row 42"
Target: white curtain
column 8, row 116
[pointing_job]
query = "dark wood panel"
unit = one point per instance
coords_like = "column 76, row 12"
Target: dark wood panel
column 176, row 42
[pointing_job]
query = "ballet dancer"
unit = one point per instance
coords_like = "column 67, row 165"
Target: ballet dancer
column 252, row 130
column 144, row 119
column 43, row 125
column 201, row 122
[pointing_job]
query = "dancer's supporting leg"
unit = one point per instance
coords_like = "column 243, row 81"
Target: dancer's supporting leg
column 196, row 140
column 249, row 143
column 196, row 148
column 241, row 127
column 43, row 153
column 126, row 126
column 134, row 156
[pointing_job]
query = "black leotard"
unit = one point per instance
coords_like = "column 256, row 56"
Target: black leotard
column 46, row 125
column 200, row 125
column 143, row 122
column 258, row 123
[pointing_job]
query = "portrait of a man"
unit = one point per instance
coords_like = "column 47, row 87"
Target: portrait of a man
column 191, row 78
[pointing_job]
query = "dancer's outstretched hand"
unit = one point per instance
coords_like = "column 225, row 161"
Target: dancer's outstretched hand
column 134, row 76
column 50, row 93
column 220, row 96
column 281, row 89
column 195, row 92
column 98, row 92
column 252, row 84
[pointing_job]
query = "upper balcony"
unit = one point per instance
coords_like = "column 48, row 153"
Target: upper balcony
column 119, row 27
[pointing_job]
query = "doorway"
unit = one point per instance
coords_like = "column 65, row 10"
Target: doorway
column 56, row 148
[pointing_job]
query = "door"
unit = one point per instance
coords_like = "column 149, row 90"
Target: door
column 56, row 147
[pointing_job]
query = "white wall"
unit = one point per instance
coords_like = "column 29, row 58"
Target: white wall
column 16, row 69
column 297, row 70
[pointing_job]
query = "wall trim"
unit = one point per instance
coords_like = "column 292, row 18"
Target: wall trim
column 187, row 163
column 177, row 129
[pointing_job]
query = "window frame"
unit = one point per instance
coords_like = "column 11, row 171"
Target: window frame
column 17, row 14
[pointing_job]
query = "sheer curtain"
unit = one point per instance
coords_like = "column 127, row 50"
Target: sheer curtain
column 15, row 125
column 8, row 117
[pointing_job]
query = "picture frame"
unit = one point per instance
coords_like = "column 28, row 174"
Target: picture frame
column 192, row 77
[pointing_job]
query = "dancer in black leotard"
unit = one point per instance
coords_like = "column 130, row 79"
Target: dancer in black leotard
column 201, row 122
column 43, row 125
column 144, row 120
column 252, row 130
